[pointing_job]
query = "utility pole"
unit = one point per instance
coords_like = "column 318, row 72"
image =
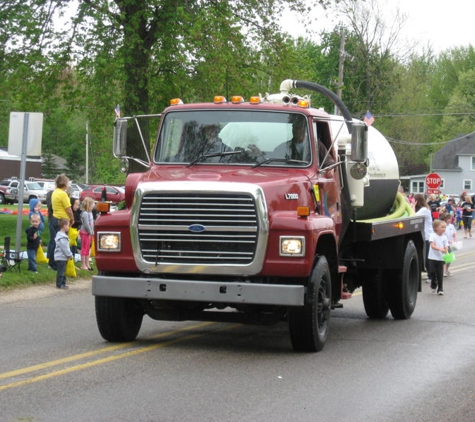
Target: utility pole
column 341, row 65
column 87, row 152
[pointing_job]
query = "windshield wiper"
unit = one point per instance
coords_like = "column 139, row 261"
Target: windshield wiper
column 279, row 160
column 214, row 154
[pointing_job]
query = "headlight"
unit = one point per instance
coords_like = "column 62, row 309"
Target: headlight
column 292, row 246
column 108, row 242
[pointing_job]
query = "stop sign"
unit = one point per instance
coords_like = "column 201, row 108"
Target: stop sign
column 433, row 181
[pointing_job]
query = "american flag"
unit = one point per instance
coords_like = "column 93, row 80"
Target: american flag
column 368, row 118
column 117, row 111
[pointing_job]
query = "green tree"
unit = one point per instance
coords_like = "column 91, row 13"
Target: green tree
column 459, row 115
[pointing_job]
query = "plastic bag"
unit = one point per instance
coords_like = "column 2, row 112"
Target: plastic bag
column 93, row 249
column 73, row 236
column 40, row 256
column 70, row 269
column 449, row 257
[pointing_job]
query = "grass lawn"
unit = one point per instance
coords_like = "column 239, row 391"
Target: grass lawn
column 12, row 279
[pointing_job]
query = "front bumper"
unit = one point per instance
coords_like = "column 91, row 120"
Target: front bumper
column 198, row 291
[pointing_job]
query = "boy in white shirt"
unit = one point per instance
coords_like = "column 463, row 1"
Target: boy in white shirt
column 439, row 246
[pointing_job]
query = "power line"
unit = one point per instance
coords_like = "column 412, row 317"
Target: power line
column 398, row 141
column 422, row 114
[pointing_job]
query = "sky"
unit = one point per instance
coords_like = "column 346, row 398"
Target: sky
column 443, row 24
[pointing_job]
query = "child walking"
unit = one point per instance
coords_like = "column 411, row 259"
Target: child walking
column 87, row 231
column 62, row 253
column 33, row 241
column 451, row 234
column 439, row 246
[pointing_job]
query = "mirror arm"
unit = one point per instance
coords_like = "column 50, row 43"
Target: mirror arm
column 138, row 160
column 143, row 144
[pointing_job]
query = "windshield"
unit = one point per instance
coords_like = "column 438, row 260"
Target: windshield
column 34, row 186
column 237, row 137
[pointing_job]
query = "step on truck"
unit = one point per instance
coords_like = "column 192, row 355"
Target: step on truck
column 258, row 211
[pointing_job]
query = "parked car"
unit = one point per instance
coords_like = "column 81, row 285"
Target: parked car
column 114, row 193
column 4, row 188
column 30, row 190
column 74, row 190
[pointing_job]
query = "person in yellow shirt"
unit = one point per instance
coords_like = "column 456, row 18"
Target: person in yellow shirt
column 61, row 205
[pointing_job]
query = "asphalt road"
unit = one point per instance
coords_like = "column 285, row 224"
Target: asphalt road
column 54, row 366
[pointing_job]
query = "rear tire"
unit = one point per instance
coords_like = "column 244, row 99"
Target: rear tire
column 2, row 199
column 374, row 298
column 118, row 319
column 309, row 324
column 404, row 285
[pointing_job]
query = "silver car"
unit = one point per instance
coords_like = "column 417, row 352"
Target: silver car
column 30, row 190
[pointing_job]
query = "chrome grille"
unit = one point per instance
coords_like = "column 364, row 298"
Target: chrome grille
column 228, row 222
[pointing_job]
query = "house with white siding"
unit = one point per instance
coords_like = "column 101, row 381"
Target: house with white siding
column 455, row 164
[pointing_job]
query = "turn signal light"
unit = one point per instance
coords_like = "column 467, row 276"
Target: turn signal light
column 303, row 211
column 103, row 207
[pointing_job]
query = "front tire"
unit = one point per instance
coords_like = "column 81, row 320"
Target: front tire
column 404, row 285
column 309, row 324
column 118, row 319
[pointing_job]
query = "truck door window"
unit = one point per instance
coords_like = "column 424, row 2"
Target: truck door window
column 324, row 144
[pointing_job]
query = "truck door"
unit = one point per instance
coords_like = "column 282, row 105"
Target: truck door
column 328, row 181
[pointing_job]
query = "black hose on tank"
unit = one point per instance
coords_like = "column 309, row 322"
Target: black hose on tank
column 335, row 99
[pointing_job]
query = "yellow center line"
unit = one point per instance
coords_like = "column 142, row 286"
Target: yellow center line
column 97, row 362
column 93, row 353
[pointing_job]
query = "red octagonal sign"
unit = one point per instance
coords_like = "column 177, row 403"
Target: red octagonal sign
column 433, row 181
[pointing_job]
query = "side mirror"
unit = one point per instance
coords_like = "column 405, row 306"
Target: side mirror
column 120, row 138
column 359, row 142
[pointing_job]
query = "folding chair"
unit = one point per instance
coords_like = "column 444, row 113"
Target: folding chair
column 10, row 259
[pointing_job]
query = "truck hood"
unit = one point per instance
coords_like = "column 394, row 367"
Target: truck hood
column 284, row 188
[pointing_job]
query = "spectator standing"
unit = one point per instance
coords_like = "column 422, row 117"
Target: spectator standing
column 61, row 208
column 33, row 241
column 87, row 231
column 451, row 234
column 75, row 226
column 49, row 206
column 104, row 194
column 35, row 208
column 434, row 205
column 449, row 206
column 439, row 246
column 467, row 213
column 422, row 209
column 62, row 252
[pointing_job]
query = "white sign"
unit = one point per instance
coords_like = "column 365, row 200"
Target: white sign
column 16, row 132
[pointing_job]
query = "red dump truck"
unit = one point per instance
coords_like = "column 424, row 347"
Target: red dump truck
column 258, row 211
